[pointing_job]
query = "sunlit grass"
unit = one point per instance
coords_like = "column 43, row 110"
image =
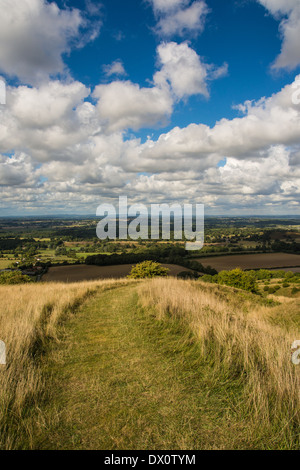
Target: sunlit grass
column 243, row 342
column 29, row 316
column 183, row 364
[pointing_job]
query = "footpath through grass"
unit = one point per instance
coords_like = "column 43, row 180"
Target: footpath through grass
column 121, row 379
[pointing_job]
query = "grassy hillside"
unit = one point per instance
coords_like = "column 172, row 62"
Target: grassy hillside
column 158, row 364
column 30, row 320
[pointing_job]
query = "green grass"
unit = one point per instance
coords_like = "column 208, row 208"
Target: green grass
column 50, row 254
column 5, row 263
column 7, row 260
column 121, row 379
column 85, row 254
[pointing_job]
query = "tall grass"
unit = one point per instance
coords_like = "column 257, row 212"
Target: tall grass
column 245, row 349
column 245, row 345
column 29, row 316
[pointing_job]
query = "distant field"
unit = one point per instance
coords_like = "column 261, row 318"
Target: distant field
column 294, row 270
column 5, row 262
column 87, row 273
column 255, row 261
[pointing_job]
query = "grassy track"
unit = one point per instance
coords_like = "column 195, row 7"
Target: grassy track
column 156, row 364
column 121, row 379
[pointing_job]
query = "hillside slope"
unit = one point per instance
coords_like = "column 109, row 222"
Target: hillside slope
column 160, row 364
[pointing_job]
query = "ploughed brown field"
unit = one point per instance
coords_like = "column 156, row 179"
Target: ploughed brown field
column 87, row 273
column 255, row 261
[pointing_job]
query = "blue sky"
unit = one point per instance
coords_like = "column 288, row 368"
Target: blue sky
column 240, row 33
column 159, row 100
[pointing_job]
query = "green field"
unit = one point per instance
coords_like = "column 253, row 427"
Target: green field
column 6, row 261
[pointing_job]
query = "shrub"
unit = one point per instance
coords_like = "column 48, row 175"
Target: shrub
column 238, row 278
column 206, row 278
column 14, row 277
column 188, row 275
column 273, row 289
column 263, row 274
column 289, row 275
column 278, row 274
column 209, row 270
column 147, row 269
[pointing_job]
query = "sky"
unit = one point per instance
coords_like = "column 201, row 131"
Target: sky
column 162, row 101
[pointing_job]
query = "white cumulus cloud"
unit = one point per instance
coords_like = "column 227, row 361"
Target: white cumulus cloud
column 183, row 69
column 178, row 17
column 33, row 36
column 123, row 104
column 66, row 156
column 288, row 11
column 167, row 5
column 115, row 68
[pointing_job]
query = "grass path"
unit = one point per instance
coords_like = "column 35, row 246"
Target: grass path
column 121, row 379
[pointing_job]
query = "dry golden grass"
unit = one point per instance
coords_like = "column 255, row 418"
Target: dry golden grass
column 245, row 350
column 29, row 315
column 243, row 342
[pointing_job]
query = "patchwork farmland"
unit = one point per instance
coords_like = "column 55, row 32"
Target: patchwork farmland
column 88, row 273
column 287, row 261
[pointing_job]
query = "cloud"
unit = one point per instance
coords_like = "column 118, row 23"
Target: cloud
column 280, row 6
column 94, row 8
column 118, row 35
column 179, row 17
column 288, row 11
column 123, row 105
column 259, row 184
column 17, row 170
column 267, row 122
column 183, row 69
column 66, row 158
column 45, row 106
column 54, row 121
column 116, row 68
column 258, row 177
column 167, row 5
column 46, row 119
column 34, row 34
